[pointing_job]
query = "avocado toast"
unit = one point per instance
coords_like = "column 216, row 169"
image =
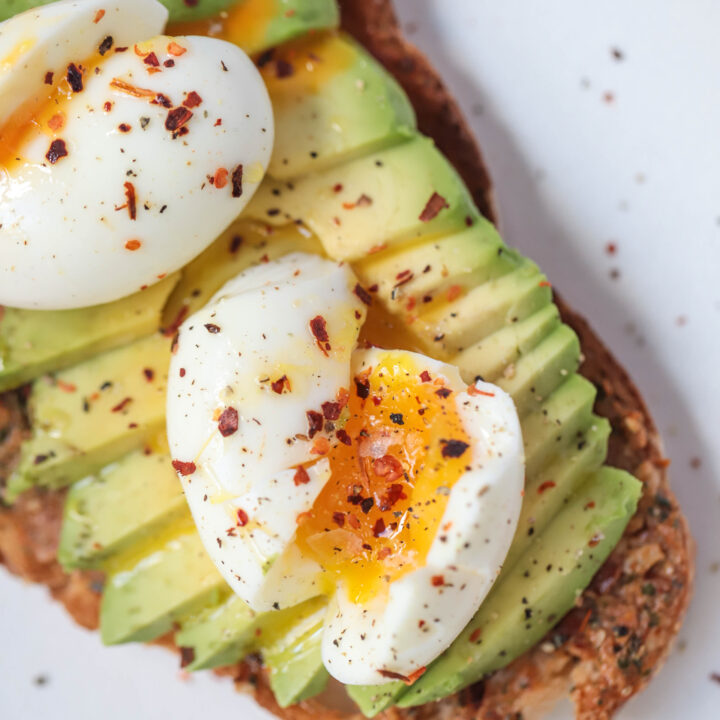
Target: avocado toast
column 608, row 646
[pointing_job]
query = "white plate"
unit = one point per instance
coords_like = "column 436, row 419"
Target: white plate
column 585, row 149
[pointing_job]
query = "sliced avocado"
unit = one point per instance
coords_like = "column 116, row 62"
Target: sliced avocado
column 253, row 25
column 389, row 197
column 541, row 370
column 540, row 589
column 219, row 635
column 407, row 278
column 244, row 243
column 483, row 310
column 333, row 102
column 496, row 354
column 123, row 504
column 547, row 491
column 34, row 342
column 146, row 594
column 530, row 599
column 94, row 413
column 293, row 658
column 547, row 432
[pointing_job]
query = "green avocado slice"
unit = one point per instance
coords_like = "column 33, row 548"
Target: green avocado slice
column 123, row 504
column 92, row 414
column 35, row 342
column 530, row 598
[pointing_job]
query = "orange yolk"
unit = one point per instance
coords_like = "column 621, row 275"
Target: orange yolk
column 41, row 115
column 245, row 24
column 391, row 475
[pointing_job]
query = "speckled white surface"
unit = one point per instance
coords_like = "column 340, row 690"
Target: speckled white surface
column 586, row 148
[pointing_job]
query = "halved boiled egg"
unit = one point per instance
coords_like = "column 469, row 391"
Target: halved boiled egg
column 121, row 157
column 375, row 477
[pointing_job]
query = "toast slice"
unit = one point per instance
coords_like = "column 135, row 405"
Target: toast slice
column 616, row 638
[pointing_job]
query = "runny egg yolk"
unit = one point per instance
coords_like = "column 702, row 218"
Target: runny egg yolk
column 399, row 446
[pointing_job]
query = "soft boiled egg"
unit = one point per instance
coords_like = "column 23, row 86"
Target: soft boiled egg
column 121, row 157
column 313, row 467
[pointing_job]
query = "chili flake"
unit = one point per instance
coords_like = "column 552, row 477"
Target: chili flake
column 149, row 374
column 220, row 179
column 394, row 493
column 176, row 50
column 57, row 150
column 75, row 78
column 177, row 118
column 184, row 468
column 242, row 518
column 187, row 654
column 315, row 423
column 122, row 405
column 212, row 328
column 343, row 437
column 362, row 388
column 331, row 410
column 453, row 448
column 388, row 467
column 105, row 45
column 437, row 580
column 378, row 528
column 152, row 60
column 192, row 100
column 99, row 15
column 281, row 385
column 133, row 245
column 131, row 200
column 49, row 75
column 547, row 485
column 363, row 294
column 237, row 181
column 432, row 209
column 339, row 519
column 228, row 422
column 301, row 476
column 318, row 327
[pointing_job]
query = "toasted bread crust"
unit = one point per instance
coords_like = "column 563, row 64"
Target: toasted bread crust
column 622, row 628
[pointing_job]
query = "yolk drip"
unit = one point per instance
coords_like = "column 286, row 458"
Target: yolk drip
column 41, row 115
column 378, row 515
column 245, row 24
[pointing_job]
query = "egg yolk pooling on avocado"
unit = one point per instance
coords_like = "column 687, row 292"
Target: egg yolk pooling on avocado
column 401, row 449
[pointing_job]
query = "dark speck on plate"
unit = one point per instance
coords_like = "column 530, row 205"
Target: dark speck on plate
column 41, row 680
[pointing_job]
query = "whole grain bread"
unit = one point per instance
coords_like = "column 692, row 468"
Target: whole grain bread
column 611, row 644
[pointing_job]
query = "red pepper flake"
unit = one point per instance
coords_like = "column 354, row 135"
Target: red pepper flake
column 57, row 150
column 66, row 386
column 475, row 635
column 388, row 467
column 315, row 423
column 242, row 518
column 318, row 327
column 237, row 182
column 128, row 89
column 124, row 128
column 49, row 76
column 56, row 122
column 453, row 448
column 425, row 376
column 343, row 437
column 122, row 405
column 394, row 493
column 131, row 200
column 590, row 505
column 432, row 209
column 376, row 400
column 169, row 63
column 228, row 422
column 378, row 528
column 75, row 78
column 281, row 385
column 212, row 328
column 283, row 69
column 162, row 100
column 331, row 410
column 149, row 374
column 176, row 50
column 301, row 477
column 454, row 292
column 363, row 294
column 337, row 187
column 363, row 201
column 403, row 277
column 596, row 539
column 220, row 178
column 187, row 654
column 413, row 676
column 377, row 248
column 611, row 248
column 547, row 485
column 544, row 283
column 218, row 122
column 443, row 392
column 407, row 679
column 339, row 519
column 182, row 372
column 177, row 118
column 474, row 391
column 99, row 15
column 192, row 100
column 354, row 522
column 362, row 388
column 133, row 245
column 152, row 60
column 107, row 107
column 437, row 580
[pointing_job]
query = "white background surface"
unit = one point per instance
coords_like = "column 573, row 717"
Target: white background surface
column 585, row 149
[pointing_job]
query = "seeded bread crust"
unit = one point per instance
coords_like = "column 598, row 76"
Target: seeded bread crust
column 622, row 628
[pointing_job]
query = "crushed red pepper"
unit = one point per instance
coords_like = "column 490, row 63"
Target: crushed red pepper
column 75, row 77
column 122, row 405
column 57, row 150
column 363, row 295
column 281, row 385
column 318, row 327
column 184, row 468
column 301, row 476
column 432, row 209
column 237, row 182
column 228, row 422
